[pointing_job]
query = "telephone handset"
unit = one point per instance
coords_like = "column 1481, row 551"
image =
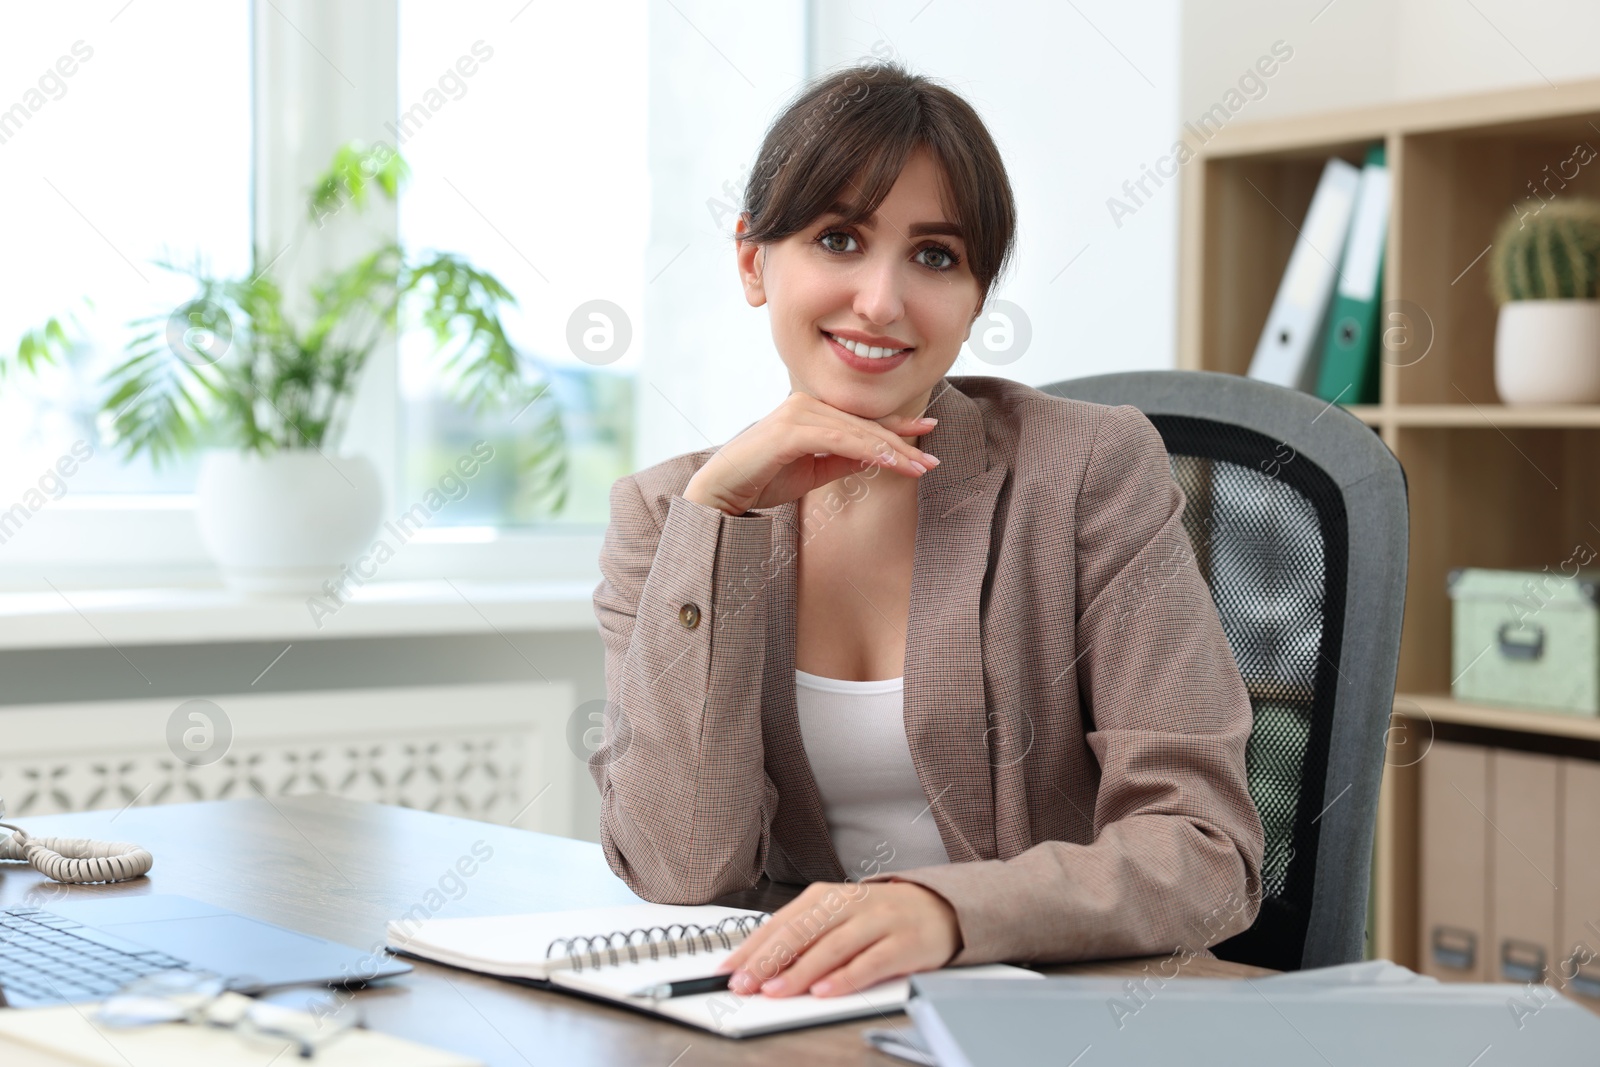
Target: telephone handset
column 74, row 859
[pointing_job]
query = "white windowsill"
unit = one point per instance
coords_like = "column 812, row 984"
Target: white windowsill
column 135, row 573
column 181, row 616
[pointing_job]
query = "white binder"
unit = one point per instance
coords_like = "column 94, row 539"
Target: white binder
column 1287, row 352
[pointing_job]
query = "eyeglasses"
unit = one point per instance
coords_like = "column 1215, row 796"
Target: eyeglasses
column 203, row 998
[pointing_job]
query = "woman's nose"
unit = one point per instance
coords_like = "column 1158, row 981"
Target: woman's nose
column 878, row 298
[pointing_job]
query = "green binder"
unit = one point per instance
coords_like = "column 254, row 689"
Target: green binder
column 1349, row 371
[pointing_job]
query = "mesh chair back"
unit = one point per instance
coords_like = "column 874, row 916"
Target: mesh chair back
column 1297, row 514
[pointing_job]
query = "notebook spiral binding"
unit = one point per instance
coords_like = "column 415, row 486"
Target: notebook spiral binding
column 602, row 949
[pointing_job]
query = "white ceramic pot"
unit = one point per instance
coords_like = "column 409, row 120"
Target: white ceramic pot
column 286, row 522
column 1548, row 352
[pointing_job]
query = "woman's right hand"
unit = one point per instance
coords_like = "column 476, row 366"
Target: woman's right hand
column 804, row 443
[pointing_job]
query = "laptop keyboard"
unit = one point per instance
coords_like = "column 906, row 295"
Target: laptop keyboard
column 48, row 959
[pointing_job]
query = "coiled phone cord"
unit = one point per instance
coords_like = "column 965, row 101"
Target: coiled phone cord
column 76, row 859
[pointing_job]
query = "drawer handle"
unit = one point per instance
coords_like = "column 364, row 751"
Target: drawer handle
column 1521, row 649
column 1584, row 983
column 1528, row 967
column 1454, row 947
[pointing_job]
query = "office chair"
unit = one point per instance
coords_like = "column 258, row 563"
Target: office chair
column 1298, row 516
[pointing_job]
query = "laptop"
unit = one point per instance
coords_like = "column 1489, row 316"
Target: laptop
column 86, row 949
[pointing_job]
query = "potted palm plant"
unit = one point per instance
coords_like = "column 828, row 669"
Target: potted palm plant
column 279, row 505
column 1543, row 274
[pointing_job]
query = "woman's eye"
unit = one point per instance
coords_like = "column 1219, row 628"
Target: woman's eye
column 829, row 238
column 840, row 242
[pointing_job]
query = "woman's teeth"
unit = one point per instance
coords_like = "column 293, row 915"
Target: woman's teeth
column 867, row 351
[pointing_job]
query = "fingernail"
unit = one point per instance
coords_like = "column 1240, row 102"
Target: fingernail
column 775, row 987
column 931, row 458
column 742, row 983
column 822, row 989
column 927, row 420
column 919, row 468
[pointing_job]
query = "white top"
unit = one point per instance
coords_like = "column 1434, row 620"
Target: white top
column 855, row 737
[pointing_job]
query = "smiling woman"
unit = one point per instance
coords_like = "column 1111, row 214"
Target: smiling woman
column 903, row 626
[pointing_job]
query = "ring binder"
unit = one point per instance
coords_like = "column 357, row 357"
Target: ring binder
column 601, row 949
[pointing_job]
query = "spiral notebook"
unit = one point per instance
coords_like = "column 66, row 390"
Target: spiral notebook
column 612, row 952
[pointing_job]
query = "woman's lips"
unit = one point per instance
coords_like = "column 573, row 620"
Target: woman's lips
column 861, row 363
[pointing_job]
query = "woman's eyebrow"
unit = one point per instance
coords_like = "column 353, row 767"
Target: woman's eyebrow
column 917, row 229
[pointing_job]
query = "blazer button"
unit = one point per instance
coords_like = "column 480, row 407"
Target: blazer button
column 689, row 615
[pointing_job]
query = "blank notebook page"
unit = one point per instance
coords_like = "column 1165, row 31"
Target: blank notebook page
column 731, row 1014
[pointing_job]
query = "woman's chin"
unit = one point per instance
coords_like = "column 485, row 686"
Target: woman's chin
column 865, row 407
column 867, row 400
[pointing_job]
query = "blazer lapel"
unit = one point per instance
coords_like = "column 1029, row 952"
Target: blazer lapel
column 946, row 711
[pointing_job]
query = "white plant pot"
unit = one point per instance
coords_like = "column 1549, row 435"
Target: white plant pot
column 1548, row 352
column 286, row 522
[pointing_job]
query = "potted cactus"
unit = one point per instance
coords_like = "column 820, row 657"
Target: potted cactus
column 1543, row 275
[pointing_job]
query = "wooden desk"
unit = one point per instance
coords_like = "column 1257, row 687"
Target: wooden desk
column 342, row 869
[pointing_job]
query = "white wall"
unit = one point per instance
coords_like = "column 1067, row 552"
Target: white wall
column 1076, row 102
column 1078, row 97
column 720, row 71
column 1358, row 52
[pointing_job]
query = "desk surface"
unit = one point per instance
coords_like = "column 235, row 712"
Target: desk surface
column 341, row 869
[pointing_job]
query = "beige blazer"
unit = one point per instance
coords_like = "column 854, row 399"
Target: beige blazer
column 1074, row 713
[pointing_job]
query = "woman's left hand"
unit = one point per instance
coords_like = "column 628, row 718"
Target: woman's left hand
column 837, row 938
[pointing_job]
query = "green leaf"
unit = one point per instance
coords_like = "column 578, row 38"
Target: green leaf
column 46, row 345
column 355, row 171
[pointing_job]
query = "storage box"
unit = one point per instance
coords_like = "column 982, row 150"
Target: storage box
column 1527, row 639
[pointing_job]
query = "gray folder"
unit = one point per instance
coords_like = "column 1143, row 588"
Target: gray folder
column 1105, row 1022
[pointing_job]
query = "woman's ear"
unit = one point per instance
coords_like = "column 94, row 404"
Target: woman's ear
column 751, row 260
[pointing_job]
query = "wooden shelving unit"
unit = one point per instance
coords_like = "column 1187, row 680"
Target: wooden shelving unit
column 1440, row 709
column 1490, row 485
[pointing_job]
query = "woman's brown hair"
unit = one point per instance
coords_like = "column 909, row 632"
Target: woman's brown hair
column 856, row 129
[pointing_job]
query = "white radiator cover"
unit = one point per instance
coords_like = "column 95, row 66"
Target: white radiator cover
column 495, row 752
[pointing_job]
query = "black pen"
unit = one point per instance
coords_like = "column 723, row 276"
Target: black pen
column 688, row 987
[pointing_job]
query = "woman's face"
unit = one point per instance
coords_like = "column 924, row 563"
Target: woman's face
column 898, row 281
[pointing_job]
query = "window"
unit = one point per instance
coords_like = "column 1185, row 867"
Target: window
column 147, row 150
column 528, row 158
column 124, row 139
